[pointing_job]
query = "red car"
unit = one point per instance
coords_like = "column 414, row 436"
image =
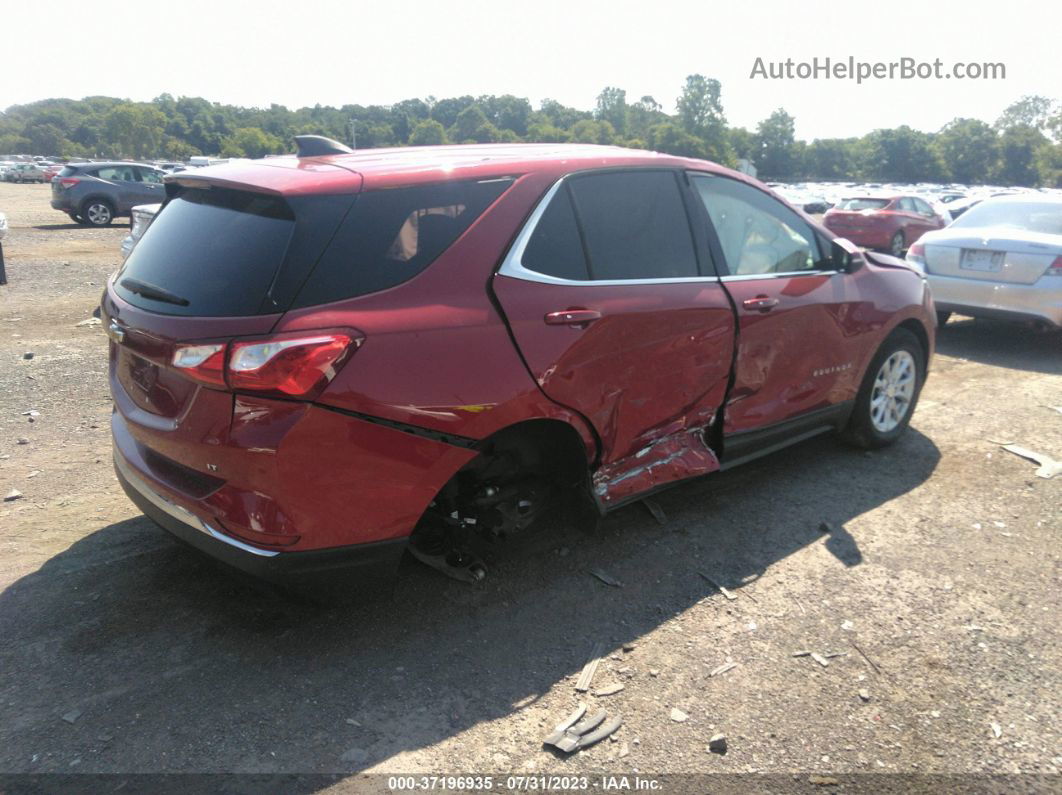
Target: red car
column 52, row 171
column 887, row 223
column 320, row 361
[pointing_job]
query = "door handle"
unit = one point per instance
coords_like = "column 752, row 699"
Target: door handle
column 761, row 303
column 572, row 317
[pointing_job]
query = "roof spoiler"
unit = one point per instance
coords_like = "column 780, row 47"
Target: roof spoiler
column 318, row 146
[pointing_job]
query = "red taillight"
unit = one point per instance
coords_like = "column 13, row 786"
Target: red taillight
column 917, row 250
column 68, row 182
column 286, row 365
column 1056, row 267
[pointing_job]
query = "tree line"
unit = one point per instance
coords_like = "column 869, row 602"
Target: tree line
column 1023, row 146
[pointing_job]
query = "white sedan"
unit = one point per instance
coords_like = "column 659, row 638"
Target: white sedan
column 1002, row 258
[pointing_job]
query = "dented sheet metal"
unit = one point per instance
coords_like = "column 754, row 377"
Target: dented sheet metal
column 683, row 455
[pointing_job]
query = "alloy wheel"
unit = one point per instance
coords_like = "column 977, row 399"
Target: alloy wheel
column 98, row 214
column 893, row 391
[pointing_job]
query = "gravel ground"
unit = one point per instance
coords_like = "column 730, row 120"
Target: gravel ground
column 938, row 589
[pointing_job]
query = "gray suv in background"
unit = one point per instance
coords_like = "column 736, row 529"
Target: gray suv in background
column 97, row 193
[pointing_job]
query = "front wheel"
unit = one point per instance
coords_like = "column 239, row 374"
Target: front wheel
column 889, row 392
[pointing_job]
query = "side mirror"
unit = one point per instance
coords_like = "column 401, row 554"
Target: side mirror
column 845, row 255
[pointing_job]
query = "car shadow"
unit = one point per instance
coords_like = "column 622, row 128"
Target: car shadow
column 60, row 227
column 996, row 342
column 162, row 660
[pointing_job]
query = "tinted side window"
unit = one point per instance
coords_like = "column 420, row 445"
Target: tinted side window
column 907, row 205
column 390, row 236
column 117, row 173
column 555, row 247
column 634, row 225
column 150, row 175
column 758, row 234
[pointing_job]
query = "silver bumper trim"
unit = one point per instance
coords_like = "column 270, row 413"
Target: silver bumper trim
column 182, row 514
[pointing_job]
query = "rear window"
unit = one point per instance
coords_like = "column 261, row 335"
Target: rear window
column 1032, row 216
column 389, row 236
column 218, row 250
column 863, row 204
column 68, row 171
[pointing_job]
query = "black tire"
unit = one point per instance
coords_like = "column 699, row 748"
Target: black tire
column 97, row 212
column 896, row 245
column 942, row 318
column 864, row 429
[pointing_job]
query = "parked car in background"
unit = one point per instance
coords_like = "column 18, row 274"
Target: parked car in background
column 51, row 171
column 1002, row 258
column 96, row 193
column 25, row 172
column 886, row 223
column 319, row 361
column 141, row 217
column 3, row 226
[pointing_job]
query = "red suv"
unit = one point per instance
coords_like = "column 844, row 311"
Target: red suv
column 888, row 223
column 319, row 361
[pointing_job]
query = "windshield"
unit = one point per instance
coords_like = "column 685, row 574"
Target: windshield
column 863, row 204
column 1032, row 216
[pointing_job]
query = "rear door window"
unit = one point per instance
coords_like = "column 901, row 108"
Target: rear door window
column 555, row 248
column 216, row 250
column 634, row 225
column 389, row 236
column 118, row 173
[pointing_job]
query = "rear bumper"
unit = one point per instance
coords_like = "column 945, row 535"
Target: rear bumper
column 360, row 567
column 1041, row 301
column 867, row 238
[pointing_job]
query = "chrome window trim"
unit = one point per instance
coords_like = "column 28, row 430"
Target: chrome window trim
column 748, row 277
column 513, row 266
column 182, row 514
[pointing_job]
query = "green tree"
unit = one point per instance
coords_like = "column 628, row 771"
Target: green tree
column 776, row 137
column 251, row 142
column 671, row 139
column 1028, row 111
column 970, row 150
column 904, row 155
column 830, row 158
column 612, row 107
column 1019, row 154
column 428, row 133
column 591, row 131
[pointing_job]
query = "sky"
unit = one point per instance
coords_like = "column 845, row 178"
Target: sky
column 354, row 52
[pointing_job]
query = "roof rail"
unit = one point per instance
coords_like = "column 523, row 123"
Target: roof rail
column 318, row 145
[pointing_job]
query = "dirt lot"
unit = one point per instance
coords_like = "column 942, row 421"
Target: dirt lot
column 121, row 651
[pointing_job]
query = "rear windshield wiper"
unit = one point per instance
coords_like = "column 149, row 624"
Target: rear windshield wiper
column 153, row 292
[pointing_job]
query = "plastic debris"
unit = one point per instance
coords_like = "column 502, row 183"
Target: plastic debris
column 1049, row 467
column 718, row 587
column 606, row 578
column 564, row 725
column 678, row 715
column 609, row 690
column 582, row 684
column 722, row 669
column 820, row 659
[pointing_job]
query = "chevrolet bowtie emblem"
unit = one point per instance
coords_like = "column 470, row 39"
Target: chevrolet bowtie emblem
column 115, row 332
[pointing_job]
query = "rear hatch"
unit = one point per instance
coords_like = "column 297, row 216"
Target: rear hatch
column 1014, row 257
column 221, row 260
column 854, row 214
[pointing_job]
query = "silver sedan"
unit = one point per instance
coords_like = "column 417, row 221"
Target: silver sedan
column 1002, row 259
